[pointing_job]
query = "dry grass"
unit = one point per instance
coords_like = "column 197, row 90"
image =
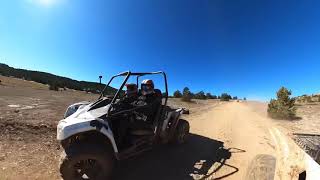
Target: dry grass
column 308, row 113
column 15, row 82
column 29, row 113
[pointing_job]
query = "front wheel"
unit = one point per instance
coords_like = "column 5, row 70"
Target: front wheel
column 261, row 167
column 182, row 132
column 86, row 161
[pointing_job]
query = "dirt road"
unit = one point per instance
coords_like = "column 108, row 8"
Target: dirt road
column 225, row 137
column 244, row 133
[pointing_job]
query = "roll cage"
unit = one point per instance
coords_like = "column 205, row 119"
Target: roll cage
column 127, row 75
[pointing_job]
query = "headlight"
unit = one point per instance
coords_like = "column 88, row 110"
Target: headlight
column 74, row 107
column 61, row 125
column 71, row 109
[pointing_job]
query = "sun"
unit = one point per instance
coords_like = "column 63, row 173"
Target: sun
column 46, row 3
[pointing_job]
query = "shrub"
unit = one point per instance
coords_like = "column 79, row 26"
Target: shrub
column 177, row 94
column 298, row 100
column 308, row 99
column 210, row 96
column 245, row 98
column 200, row 95
column 53, row 87
column 283, row 106
column 186, row 95
column 225, row 97
column 235, row 98
column 164, row 95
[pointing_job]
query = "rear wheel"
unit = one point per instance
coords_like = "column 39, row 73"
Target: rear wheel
column 182, row 132
column 86, row 161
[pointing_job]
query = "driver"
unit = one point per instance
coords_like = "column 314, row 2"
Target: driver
column 126, row 103
column 131, row 93
column 130, row 96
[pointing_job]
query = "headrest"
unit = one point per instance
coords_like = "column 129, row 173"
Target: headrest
column 158, row 92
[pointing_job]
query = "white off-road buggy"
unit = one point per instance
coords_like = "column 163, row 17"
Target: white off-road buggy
column 89, row 132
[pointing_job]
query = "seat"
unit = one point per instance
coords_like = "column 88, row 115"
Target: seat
column 159, row 99
column 158, row 93
column 139, row 128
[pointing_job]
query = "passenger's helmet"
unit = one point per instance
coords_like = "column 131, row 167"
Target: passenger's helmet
column 147, row 87
column 132, row 90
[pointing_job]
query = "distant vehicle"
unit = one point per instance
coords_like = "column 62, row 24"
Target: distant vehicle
column 89, row 132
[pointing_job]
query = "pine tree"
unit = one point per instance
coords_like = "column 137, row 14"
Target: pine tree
column 209, row 96
column 225, row 97
column 177, row 94
column 283, row 106
column 186, row 95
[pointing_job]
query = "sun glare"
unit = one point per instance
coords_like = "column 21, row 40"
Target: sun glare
column 46, row 3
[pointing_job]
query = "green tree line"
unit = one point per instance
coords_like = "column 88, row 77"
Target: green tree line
column 55, row 82
column 187, row 95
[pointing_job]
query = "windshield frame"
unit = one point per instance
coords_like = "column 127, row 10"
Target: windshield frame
column 127, row 74
column 138, row 75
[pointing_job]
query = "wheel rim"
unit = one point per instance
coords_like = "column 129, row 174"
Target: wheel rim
column 87, row 169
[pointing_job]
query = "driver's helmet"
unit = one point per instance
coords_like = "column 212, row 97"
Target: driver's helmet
column 147, row 87
column 132, row 90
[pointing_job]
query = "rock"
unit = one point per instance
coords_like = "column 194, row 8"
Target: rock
column 22, row 148
column 2, row 158
column 35, row 127
column 48, row 143
column 16, row 110
column 43, row 126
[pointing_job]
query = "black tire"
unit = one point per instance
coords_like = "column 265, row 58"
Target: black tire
column 83, row 161
column 262, row 167
column 182, row 132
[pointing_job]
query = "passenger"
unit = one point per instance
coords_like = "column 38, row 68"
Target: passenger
column 149, row 100
column 147, row 91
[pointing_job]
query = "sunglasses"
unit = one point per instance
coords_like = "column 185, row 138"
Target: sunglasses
column 146, row 87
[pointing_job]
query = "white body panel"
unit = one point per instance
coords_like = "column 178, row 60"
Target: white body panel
column 312, row 168
column 177, row 113
column 80, row 121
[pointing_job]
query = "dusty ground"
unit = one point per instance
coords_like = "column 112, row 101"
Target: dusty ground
column 308, row 117
column 225, row 137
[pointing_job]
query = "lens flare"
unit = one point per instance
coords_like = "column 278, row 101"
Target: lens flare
column 43, row 2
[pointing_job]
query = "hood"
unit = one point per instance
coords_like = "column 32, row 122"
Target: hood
column 83, row 113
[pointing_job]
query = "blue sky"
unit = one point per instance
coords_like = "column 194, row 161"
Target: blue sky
column 246, row 48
